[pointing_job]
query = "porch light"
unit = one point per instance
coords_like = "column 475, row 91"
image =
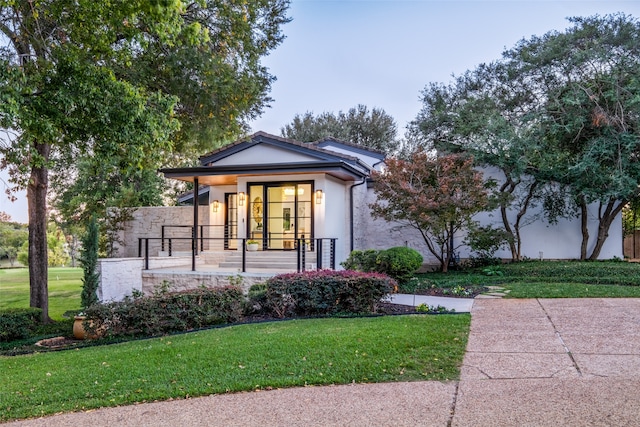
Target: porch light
column 216, row 205
column 319, row 195
column 241, row 198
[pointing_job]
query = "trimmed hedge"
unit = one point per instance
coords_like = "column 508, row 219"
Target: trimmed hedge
column 167, row 312
column 18, row 323
column 323, row 292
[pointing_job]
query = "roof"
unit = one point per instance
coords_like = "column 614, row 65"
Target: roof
column 309, row 159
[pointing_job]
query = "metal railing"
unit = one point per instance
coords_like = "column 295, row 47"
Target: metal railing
column 324, row 249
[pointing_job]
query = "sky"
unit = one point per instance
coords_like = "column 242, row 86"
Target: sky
column 383, row 53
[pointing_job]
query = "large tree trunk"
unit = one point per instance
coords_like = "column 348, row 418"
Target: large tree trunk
column 606, row 218
column 38, row 256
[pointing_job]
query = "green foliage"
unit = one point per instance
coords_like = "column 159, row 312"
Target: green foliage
column 167, row 312
column 485, row 241
column 326, row 292
column 361, row 260
column 399, row 262
column 256, row 298
column 12, row 237
column 142, row 84
column 373, row 129
column 555, row 119
column 89, row 260
column 18, row 323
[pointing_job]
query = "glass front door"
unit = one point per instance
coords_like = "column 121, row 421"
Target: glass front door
column 280, row 213
column 231, row 221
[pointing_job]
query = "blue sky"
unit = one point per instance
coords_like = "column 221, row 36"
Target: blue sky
column 382, row 53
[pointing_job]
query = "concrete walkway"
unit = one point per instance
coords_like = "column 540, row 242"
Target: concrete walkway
column 551, row 362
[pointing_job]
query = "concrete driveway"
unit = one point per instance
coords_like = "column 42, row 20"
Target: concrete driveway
column 549, row 362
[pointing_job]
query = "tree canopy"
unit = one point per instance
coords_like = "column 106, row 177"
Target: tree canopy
column 558, row 114
column 369, row 128
column 436, row 195
column 145, row 78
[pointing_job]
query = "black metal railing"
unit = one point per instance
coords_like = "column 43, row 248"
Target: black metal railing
column 323, row 248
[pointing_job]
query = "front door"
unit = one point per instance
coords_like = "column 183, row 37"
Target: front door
column 280, row 213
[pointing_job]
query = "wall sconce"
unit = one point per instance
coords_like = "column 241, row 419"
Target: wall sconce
column 216, row 205
column 319, row 195
column 241, row 199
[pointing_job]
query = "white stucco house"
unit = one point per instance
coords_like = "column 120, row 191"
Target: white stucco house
column 305, row 204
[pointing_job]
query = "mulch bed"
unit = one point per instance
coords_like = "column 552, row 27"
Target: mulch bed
column 384, row 308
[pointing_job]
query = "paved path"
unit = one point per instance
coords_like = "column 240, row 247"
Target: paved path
column 551, row 362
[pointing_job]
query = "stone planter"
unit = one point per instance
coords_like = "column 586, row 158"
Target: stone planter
column 252, row 247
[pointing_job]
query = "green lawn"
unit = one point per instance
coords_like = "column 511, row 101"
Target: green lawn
column 547, row 279
column 65, row 286
column 243, row 357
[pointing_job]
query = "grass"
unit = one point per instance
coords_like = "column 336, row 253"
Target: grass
column 237, row 358
column 65, row 286
column 546, row 279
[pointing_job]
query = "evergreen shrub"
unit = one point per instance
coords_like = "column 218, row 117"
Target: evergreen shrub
column 18, row 323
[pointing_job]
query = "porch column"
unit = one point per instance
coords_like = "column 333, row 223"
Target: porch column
column 194, row 247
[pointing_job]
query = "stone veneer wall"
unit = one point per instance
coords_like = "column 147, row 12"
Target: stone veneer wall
column 380, row 234
column 148, row 222
column 186, row 280
column 120, row 277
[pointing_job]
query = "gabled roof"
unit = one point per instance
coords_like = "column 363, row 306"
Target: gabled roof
column 224, row 166
column 265, row 138
column 356, row 148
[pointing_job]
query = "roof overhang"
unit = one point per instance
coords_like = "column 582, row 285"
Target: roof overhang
column 227, row 175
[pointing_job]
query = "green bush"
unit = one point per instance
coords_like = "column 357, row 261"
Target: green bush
column 256, row 298
column 167, row 312
column 399, row 262
column 325, row 292
column 18, row 323
column 361, row 260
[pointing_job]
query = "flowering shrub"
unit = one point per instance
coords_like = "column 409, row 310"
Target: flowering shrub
column 167, row 312
column 326, row 292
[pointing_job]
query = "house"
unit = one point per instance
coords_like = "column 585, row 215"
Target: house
column 307, row 206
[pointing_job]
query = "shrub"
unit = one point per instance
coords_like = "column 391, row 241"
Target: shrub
column 485, row 242
column 326, row 292
column 18, row 323
column 256, row 298
column 361, row 261
column 399, row 262
column 167, row 312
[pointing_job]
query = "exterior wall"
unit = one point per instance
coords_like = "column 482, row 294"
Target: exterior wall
column 188, row 280
column 148, row 221
column 121, row 276
column 262, row 154
column 539, row 238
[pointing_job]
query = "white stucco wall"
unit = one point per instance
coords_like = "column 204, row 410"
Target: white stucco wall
column 555, row 241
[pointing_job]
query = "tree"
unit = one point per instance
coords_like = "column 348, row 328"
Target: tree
column 373, row 129
column 144, row 77
column 12, row 237
column 89, row 260
column 435, row 195
column 561, row 109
